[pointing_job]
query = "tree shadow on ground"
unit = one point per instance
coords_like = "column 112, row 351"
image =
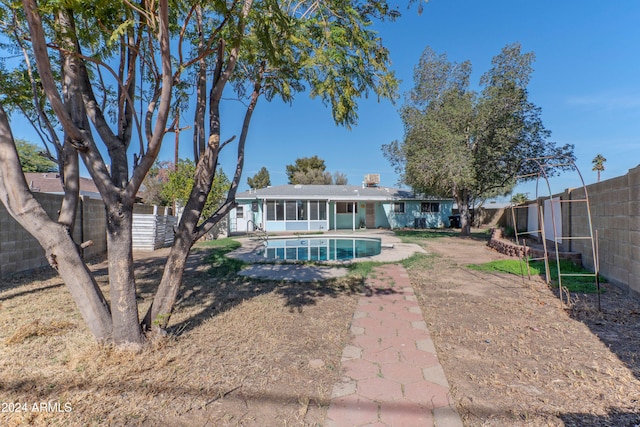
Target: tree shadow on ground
column 184, row 399
column 617, row 324
column 615, row 418
column 211, row 286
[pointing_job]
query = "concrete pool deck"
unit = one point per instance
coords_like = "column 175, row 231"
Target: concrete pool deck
column 393, row 250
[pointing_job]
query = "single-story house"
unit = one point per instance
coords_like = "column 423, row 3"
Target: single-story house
column 331, row 207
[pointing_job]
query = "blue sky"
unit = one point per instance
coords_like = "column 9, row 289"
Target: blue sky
column 586, row 80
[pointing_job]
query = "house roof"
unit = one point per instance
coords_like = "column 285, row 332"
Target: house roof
column 333, row 192
column 49, row 182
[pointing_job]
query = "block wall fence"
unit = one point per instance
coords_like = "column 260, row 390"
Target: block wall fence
column 615, row 218
column 20, row 252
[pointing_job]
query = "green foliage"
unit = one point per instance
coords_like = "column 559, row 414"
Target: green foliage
column 224, row 245
column 303, row 166
column 468, row 145
column 519, row 198
column 598, row 164
column 33, row 158
column 312, row 171
column 578, row 284
column 509, row 232
column 362, row 269
column 260, row 180
column 312, row 177
column 219, row 264
column 419, row 236
column 154, row 182
column 180, row 182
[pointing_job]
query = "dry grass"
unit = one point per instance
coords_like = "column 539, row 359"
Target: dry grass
column 248, row 353
column 37, row 328
column 239, row 353
column 514, row 358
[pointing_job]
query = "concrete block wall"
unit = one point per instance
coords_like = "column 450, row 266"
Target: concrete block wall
column 634, row 229
column 610, row 208
column 615, row 218
column 94, row 226
column 20, row 252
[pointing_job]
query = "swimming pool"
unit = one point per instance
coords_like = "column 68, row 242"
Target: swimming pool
column 320, row 248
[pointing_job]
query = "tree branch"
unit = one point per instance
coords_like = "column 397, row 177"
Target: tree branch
column 44, row 68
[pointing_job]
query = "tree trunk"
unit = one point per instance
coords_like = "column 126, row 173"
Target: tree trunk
column 463, row 199
column 63, row 255
column 124, row 308
column 61, row 251
column 159, row 313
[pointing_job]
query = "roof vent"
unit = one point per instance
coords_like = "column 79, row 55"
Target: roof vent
column 297, row 186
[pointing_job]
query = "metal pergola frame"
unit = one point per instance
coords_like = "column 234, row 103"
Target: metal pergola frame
column 543, row 163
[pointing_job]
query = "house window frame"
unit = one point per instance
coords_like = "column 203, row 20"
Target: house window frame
column 275, row 210
column 317, row 210
column 399, row 207
column 430, row 207
column 347, row 208
column 240, row 212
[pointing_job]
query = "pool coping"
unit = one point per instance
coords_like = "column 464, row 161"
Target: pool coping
column 393, row 250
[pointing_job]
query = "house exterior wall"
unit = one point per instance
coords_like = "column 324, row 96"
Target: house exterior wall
column 382, row 219
column 412, row 210
column 383, row 210
column 259, row 218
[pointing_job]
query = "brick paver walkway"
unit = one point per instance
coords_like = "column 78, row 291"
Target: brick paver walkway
column 392, row 376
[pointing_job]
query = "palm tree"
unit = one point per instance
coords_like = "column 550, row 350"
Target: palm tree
column 598, row 164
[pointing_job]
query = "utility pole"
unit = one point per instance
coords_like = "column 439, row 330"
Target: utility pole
column 177, row 129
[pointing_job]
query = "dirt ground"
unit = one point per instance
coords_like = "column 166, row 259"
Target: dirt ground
column 244, row 352
column 514, row 357
column 240, row 353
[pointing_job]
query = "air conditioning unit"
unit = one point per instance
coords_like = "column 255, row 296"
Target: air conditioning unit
column 372, row 179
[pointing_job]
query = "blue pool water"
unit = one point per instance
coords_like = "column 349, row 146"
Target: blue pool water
column 320, row 248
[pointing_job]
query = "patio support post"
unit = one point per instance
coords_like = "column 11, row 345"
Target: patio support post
column 353, row 216
column 326, row 213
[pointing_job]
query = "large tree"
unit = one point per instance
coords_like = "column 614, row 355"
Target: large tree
column 312, row 171
column 307, row 169
column 121, row 72
column 260, row 180
column 179, row 183
column 468, row 145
